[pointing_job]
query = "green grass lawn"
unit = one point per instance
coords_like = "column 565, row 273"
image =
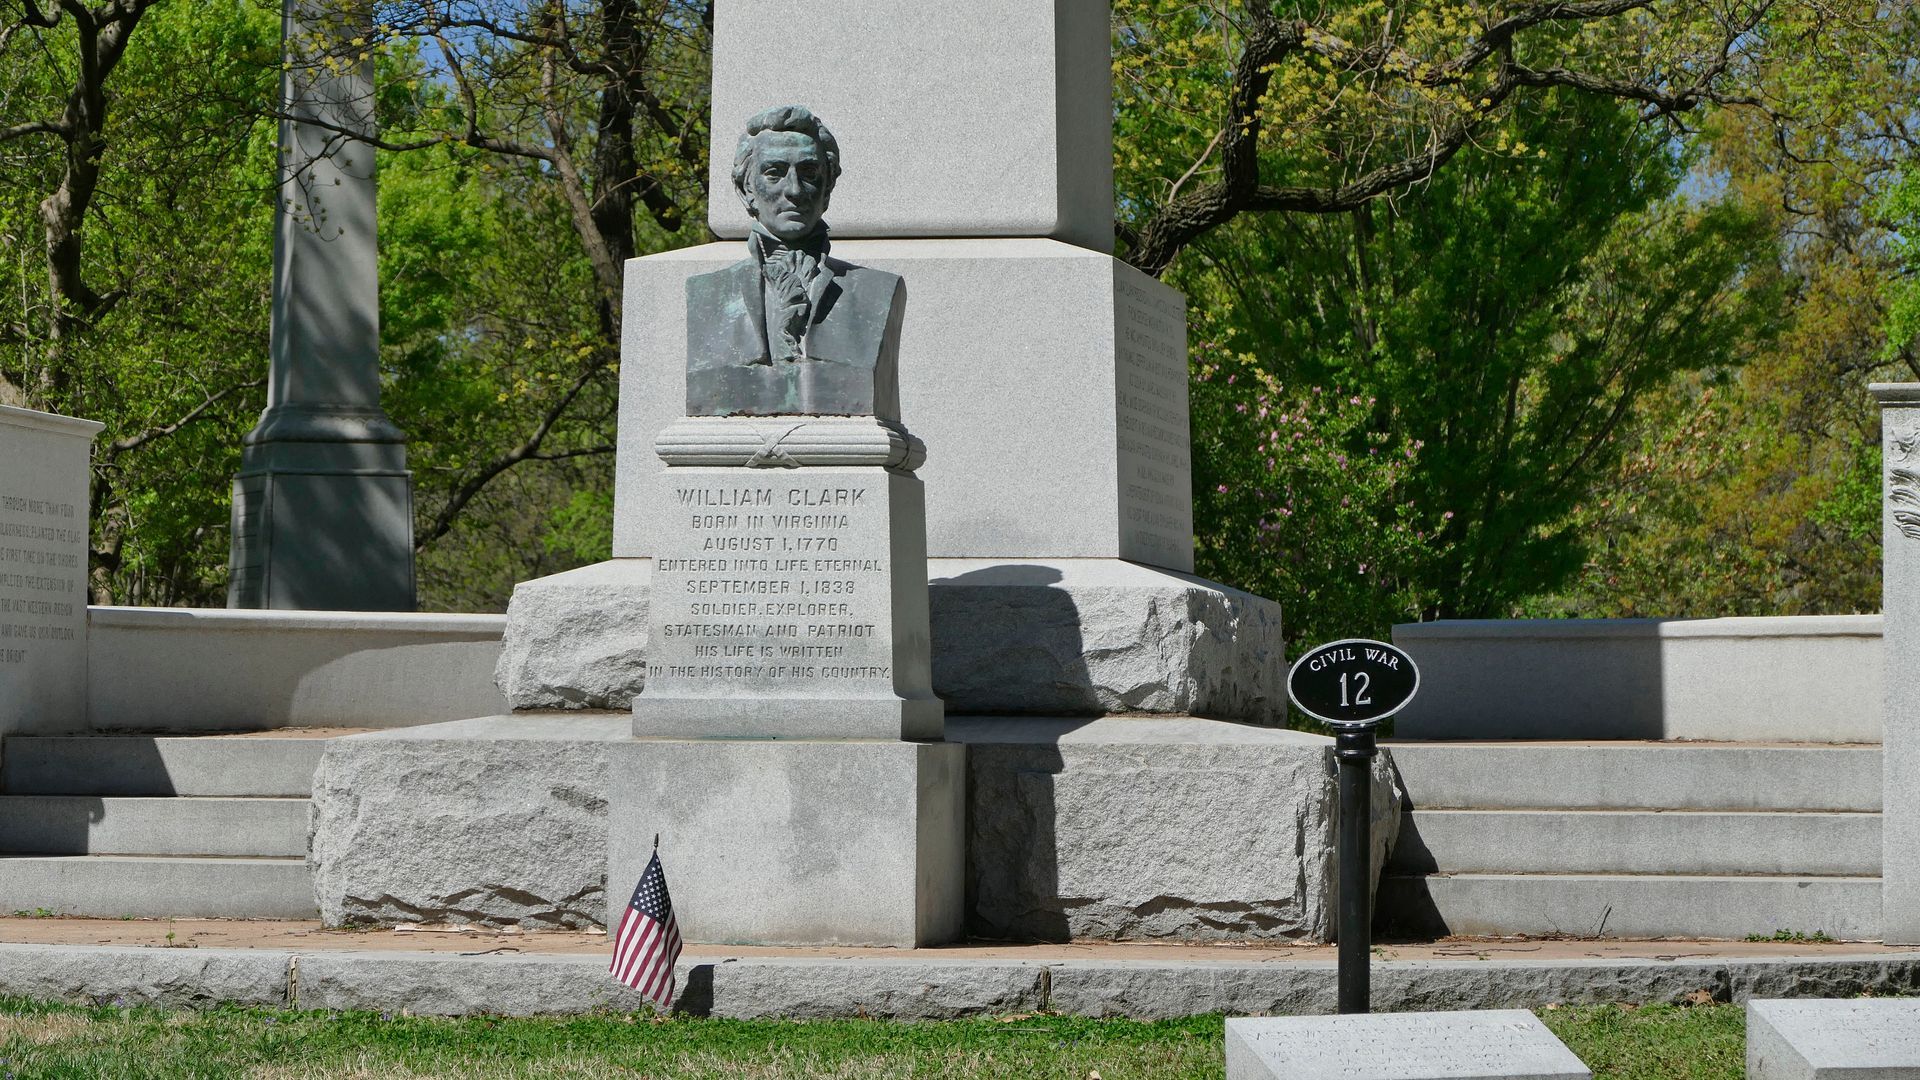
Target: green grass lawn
column 40, row 1040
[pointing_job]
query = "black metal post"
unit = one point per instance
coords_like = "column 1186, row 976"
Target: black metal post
column 1355, row 750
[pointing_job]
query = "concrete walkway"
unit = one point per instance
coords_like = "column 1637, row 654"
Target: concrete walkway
column 445, row 972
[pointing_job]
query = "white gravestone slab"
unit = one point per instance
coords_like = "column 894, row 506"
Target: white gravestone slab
column 1502, row 1044
column 43, row 571
column 1868, row 1039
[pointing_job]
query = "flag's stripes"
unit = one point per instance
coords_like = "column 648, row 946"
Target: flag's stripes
column 634, row 930
column 647, row 940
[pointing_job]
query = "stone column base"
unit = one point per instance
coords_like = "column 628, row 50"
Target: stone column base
column 322, row 541
column 794, row 843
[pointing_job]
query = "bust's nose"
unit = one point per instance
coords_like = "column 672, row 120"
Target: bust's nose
column 792, row 186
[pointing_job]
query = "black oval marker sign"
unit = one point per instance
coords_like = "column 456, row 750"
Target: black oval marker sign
column 1353, row 681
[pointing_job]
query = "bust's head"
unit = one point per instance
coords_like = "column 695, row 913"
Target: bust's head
column 785, row 169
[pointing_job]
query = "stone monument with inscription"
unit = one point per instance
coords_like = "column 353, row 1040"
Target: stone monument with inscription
column 1051, row 376
column 1900, row 723
column 43, row 571
column 790, row 656
column 772, row 672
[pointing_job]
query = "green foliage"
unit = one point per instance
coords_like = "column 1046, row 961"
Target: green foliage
column 1304, row 500
column 180, row 233
column 500, row 358
column 581, row 531
column 498, row 354
column 1755, row 491
column 1902, row 210
column 1501, row 329
column 1793, row 937
column 1852, row 508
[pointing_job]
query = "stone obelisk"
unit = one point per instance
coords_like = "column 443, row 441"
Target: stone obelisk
column 323, row 505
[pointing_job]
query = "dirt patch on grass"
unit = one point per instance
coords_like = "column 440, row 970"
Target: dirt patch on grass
column 40, row 1030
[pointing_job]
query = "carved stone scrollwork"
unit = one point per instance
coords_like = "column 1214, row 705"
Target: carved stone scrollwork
column 789, row 442
column 1903, row 491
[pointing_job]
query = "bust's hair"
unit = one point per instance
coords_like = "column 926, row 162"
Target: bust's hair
column 795, row 118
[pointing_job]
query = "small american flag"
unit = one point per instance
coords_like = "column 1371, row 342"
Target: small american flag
column 648, row 940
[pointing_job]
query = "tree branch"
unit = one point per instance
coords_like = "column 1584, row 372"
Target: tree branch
column 527, row 450
column 134, row 442
column 1270, row 41
column 31, row 127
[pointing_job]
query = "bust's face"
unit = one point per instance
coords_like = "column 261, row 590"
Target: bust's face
column 786, row 184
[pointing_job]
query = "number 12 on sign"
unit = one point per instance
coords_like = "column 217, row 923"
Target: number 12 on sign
column 1361, row 680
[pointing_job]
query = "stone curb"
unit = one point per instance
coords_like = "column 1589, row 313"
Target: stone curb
column 903, row 989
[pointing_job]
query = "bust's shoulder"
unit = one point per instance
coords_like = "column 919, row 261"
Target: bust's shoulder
column 864, row 279
column 726, row 278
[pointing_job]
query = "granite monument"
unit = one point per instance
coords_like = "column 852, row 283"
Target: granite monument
column 789, row 744
column 43, row 571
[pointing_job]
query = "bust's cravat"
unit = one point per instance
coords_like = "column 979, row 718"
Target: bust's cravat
column 793, row 278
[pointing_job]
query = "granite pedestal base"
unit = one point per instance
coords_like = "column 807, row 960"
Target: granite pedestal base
column 795, row 843
column 323, row 525
column 1116, row 829
column 1034, row 636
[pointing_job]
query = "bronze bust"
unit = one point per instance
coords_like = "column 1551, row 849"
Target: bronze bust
column 790, row 330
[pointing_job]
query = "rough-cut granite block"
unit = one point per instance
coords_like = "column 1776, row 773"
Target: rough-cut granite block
column 577, row 640
column 1140, row 829
column 1128, row 829
column 498, row 820
column 1052, row 637
column 1092, row 636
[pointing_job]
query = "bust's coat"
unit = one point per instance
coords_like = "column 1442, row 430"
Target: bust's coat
column 852, row 346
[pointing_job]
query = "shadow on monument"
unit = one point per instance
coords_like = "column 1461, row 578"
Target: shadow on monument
column 1601, row 679
column 330, row 541
column 70, row 776
column 1009, row 657
column 1552, row 681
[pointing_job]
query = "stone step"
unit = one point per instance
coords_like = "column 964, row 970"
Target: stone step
column 167, row 825
column 1639, row 842
column 110, row 886
column 1630, row 775
column 216, row 765
column 1628, row 905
